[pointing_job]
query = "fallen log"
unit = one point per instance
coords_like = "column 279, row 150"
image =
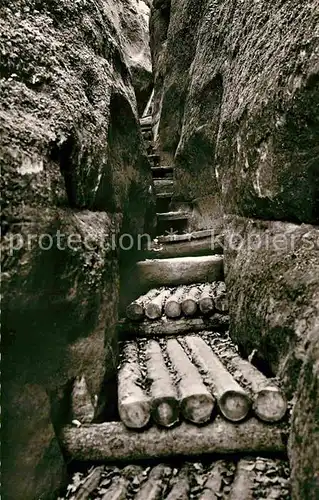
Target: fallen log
column 119, row 487
column 196, row 235
column 165, row 404
column 220, row 297
column 242, row 487
column 189, row 303
column 113, row 441
column 214, row 482
column 234, row 403
column 173, row 306
column 152, row 489
column 196, row 402
column 133, row 404
column 81, row 402
column 136, row 310
column 164, row 326
column 180, row 271
column 269, row 401
column 89, row 485
column 181, row 488
column 191, row 248
column 155, row 306
column 206, row 301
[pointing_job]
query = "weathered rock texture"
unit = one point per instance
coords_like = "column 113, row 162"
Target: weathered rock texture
column 239, row 104
column 304, row 443
column 272, row 274
column 236, row 111
column 74, row 174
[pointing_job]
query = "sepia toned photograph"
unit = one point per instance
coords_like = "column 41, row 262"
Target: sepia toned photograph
column 159, row 249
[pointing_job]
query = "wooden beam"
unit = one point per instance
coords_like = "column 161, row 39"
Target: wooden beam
column 196, row 402
column 234, row 403
column 164, row 327
column 112, row 441
column 180, row 271
column 133, row 403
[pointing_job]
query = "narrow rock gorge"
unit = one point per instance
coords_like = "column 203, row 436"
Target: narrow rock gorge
column 196, row 124
column 75, row 175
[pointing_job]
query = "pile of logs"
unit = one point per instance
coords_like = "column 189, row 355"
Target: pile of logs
column 174, row 303
column 245, row 479
column 184, row 378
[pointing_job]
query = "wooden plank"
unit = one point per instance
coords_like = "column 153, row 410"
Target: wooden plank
column 180, row 271
column 163, row 327
column 112, row 441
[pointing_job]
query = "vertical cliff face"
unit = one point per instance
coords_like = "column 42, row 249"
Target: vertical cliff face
column 73, row 165
column 236, row 105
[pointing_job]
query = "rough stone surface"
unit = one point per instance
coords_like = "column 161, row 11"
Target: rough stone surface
column 272, row 275
column 239, row 105
column 304, row 443
column 133, row 23
column 74, row 175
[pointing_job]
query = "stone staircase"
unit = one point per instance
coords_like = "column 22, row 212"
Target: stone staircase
column 183, row 388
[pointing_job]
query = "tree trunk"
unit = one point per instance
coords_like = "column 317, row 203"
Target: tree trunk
column 165, row 404
column 213, row 485
column 155, row 306
column 196, row 402
column 173, row 306
column 233, row 401
column 89, row 485
column 269, row 401
column 112, row 441
column 242, row 487
column 133, row 404
column 180, row 271
column 206, row 300
column 181, row 488
column 182, row 326
column 190, row 302
column 190, row 248
column 152, row 489
column 136, row 310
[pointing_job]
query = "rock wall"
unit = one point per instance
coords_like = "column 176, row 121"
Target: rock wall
column 236, row 111
column 74, row 176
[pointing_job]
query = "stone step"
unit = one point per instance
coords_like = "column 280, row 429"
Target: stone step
column 162, row 171
column 164, row 188
column 179, row 246
column 154, row 158
column 215, row 478
column 179, row 271
column 146, row 120
column 172, row 216
column 175, row 222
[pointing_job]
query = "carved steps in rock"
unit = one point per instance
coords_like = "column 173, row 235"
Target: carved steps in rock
column 163, row 188
column 204, row 480
column 162, row 171
column 174, row 222
column 186, row 247
column 179, row 271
